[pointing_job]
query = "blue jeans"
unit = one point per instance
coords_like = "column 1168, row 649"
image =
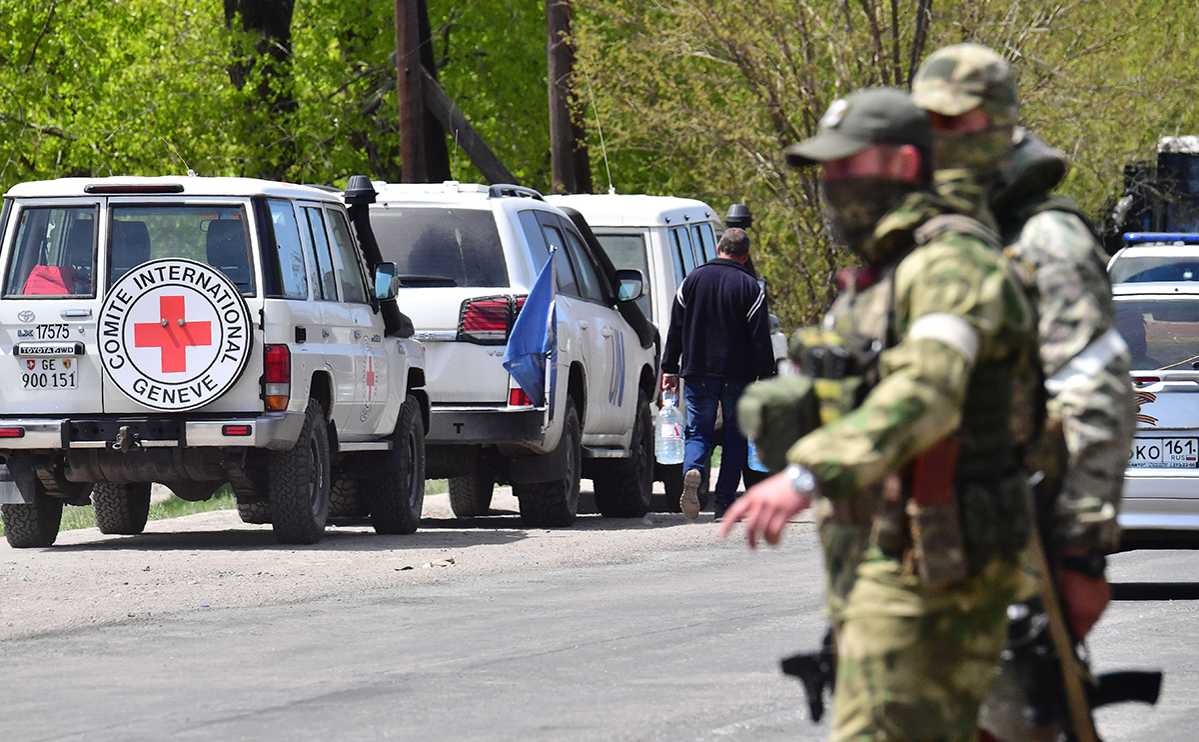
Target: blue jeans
column 704, row 394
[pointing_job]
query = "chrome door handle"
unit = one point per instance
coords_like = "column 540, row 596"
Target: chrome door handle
column 75, row 313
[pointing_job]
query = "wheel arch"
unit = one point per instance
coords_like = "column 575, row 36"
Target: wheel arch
column 576, row 389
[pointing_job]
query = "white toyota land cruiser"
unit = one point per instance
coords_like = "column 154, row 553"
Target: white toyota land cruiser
column 469, row 255
column 196, row 331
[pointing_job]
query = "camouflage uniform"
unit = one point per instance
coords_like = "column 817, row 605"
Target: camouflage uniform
column 915, row 660
column 1084, row 361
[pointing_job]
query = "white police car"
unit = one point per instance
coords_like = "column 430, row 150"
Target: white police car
column 196, row 331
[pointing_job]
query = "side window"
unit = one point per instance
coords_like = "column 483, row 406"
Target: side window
column 324, row 282
column 705, row 242
column 567, row 283
column 55, row 253
column 680, row 249
column 538, row 250
column 349, row 268
column 290, row 250
column 589, row 280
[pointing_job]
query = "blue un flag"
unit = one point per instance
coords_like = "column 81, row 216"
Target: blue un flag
column 532, row 340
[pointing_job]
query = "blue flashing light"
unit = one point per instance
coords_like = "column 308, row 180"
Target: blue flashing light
column 1132, row 238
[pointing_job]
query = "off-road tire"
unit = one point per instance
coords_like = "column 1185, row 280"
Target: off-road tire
column 298, row 483
column 396, row 501
column 345, row 498
column 121, row 508
column 554, row 504
column 257, row 512
column 30, row 525
column 470, row 494
column 623, row 487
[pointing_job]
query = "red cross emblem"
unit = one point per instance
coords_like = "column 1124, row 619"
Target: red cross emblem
column 172, row 334
column 370, row 376
column 30, row 364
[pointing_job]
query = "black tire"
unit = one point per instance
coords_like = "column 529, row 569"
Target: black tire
column 623, row 487
column 345, row 498
column 30, row 525
column 396, row 501
column 257, row 512
column 554, row 504
column 470, row 494
column 298, row 483
column 121, row 508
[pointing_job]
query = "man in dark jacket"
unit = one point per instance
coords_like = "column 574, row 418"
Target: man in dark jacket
column 720, row 328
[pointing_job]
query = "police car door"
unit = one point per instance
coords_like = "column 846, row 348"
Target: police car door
column 612, row 409
column 49, row 307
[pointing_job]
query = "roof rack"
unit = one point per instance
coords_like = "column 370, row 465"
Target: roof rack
column 499, row 190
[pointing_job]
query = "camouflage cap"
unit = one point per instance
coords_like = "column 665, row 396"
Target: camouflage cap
column 962, row 77
column 864, row 117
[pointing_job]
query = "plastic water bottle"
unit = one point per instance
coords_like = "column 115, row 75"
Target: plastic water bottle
column 668, row 443
column 754, row 462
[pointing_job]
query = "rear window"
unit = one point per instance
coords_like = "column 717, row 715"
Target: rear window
column 1160, row 334
column 214, row 235
column 1154, row 268
column 55, row 252
column 436, row 246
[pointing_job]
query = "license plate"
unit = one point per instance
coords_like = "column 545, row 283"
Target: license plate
column 49, row 373
column 1167, row 453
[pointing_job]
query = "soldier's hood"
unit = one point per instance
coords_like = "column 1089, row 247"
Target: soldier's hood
column 1032, row 168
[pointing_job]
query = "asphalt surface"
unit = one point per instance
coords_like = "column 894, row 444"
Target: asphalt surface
column 680, row 643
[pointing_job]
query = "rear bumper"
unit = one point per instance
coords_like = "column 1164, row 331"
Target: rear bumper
column 272, row 430
column 1160, row 500
column 486, row 425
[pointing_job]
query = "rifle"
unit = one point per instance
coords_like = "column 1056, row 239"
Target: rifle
column 1059, row 665
column 817, row 671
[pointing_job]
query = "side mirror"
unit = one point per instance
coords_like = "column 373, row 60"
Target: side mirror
column 387, row 283
column 632, row 284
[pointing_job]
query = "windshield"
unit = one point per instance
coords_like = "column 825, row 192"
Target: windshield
column 1160, row 334
column 436, row 246
column 627, row 251
column 1146, row 268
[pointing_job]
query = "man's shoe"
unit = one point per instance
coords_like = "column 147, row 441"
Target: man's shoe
column 689, row 502
column 718, row 512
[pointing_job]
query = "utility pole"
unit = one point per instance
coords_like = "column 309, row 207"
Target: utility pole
column 409, row 91
column 570, row 165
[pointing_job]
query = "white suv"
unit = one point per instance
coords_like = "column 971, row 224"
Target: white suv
column 469, row 254
column 196, row 331
column 666, row 238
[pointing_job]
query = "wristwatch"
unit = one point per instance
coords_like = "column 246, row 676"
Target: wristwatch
column 802, row 480
column 1092, row 563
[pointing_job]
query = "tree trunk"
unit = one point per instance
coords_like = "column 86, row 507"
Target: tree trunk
column 570, row 163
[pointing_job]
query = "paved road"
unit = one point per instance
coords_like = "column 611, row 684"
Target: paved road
column 660, row 644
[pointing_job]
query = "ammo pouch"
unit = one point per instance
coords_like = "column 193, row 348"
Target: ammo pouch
column 836, row 371
column 996, row 517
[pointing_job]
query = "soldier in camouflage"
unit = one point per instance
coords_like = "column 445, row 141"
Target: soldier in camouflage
column 923, row 622
column 981, row 153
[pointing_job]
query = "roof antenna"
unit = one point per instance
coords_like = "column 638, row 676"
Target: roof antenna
column 455, row 175
column 598, row 128
column 190, row 173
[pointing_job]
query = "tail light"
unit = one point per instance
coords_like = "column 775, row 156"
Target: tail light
column 1142, row 380
column 277, row 376
column 518, row 398
column 488, row 320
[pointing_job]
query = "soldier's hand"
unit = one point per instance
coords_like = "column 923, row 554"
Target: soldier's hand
column 1083, row 599
column 670, row 383
column 766, row 509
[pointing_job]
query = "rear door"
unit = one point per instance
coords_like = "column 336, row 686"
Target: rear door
column 49, row 308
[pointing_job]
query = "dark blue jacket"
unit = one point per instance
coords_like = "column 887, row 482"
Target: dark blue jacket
column 719, row 325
